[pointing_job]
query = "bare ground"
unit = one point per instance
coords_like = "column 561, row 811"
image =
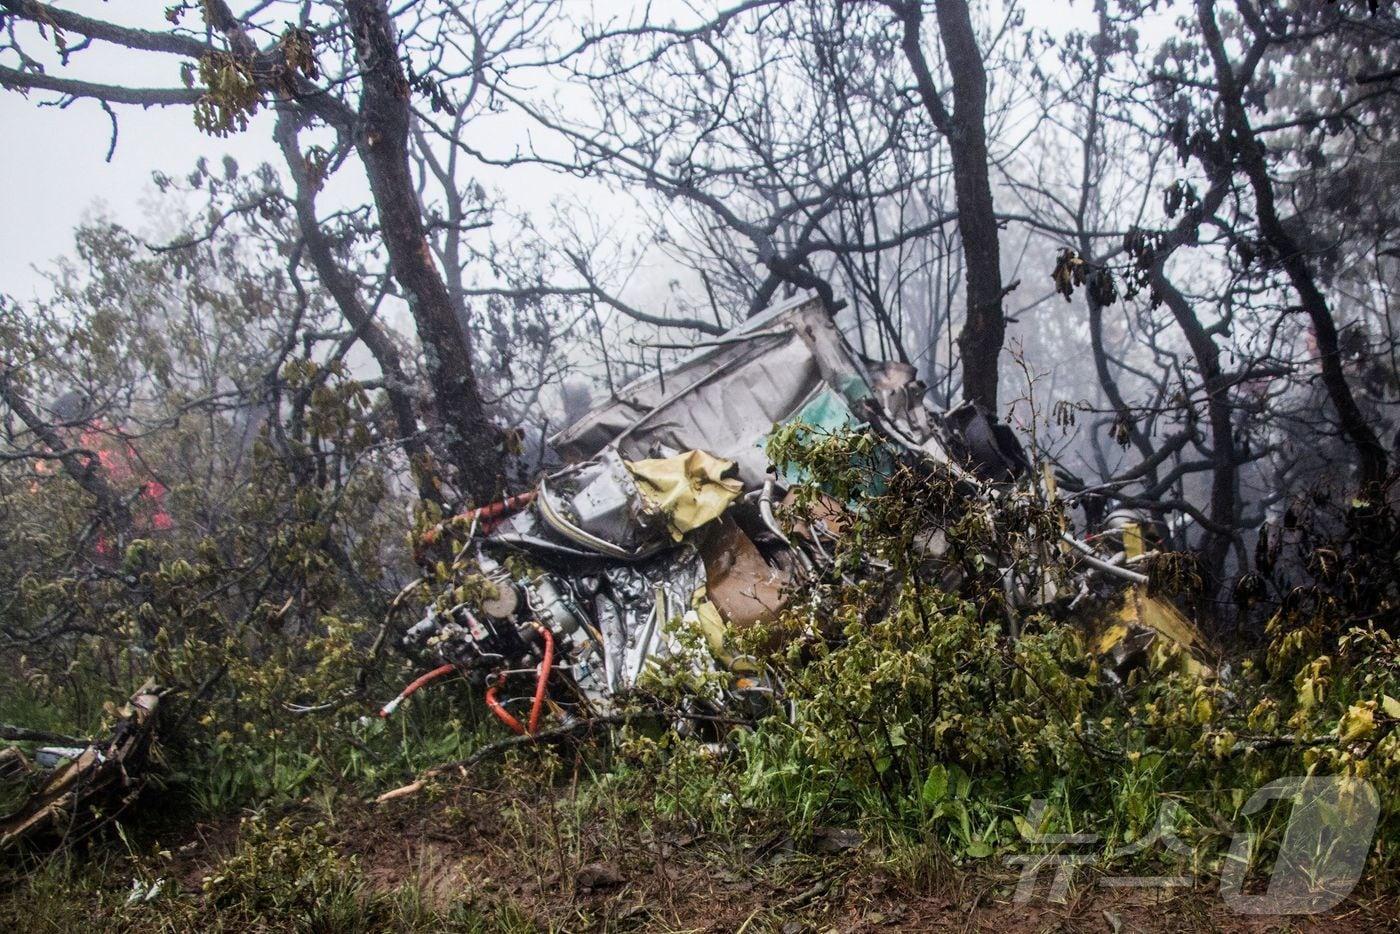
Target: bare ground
column 500, row 849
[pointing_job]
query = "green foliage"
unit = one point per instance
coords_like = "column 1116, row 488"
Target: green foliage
column 281, row 876
column 232, row 94
column 916, row 718
column 911, row 713
column 289, row 872
column 256, row 583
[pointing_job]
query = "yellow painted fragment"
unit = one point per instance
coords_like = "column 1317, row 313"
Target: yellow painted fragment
column 1177, row 640
column 1110, row 636
column 710, row 623
column 1132, row 540
column 690, row 489
column 1161, row 616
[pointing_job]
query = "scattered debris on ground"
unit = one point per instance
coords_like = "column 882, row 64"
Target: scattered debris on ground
column 78, row 788
column 669, row 533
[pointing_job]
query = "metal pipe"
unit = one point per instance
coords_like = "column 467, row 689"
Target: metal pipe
column 533, row 542
column 1094, row 561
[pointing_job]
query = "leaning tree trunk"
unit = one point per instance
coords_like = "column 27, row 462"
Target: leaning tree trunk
column 1239, row 135
column 345, row 292
column 380, row 128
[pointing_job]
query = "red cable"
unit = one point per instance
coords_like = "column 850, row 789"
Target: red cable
column 492, row 513
column 414, row 686
column 541, row 688
column 489, row 517
column 501, row 713
column 542, row 679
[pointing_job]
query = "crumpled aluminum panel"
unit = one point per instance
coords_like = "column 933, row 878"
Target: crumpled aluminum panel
column 636, row 619
column 726, row 398
column 601, row 498
column 730, row 411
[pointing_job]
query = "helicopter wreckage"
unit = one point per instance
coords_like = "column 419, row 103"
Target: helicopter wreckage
column 668, row 520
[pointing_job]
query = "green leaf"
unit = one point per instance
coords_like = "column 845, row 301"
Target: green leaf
column 1023, row 827
column 978, row 849
column 961, row 782
column 935, row 786
column 959, row 810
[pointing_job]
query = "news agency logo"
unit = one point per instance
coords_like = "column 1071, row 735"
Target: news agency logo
column 1319, row 859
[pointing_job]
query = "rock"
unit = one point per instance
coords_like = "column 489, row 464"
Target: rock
column 597, row 876
column 831, row 840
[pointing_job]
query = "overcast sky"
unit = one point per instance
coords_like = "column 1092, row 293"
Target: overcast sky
column 55, row 165
column 57, row 175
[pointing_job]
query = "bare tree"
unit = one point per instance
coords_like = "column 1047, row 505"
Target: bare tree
column 767, row 132
column 349, row 68
column 964, row 128
column 1232, row 80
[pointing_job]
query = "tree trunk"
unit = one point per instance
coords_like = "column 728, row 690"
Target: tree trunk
column 1219, row 412
column 346, row 294
column 381, row 139
column 979, row 342
column 1239, row 135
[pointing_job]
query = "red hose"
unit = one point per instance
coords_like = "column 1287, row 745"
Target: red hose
column 490, row 514
column 542, row 679
column 414, row 685
column 501, row 713
column 541, row 689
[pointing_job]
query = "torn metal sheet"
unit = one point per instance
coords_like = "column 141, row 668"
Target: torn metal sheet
column 743, row 587
column 646, row 602
column 598, row 506
column 665, row 520
column 1147, row 632
column 727, row 397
